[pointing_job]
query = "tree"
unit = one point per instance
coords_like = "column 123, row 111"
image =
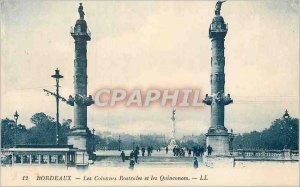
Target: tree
column 64, row 130
column 7, row 132
column 283, row 133
column 44, row 131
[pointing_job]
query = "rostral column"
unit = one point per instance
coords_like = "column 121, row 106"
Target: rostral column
column 218, row 137
column 80, row 135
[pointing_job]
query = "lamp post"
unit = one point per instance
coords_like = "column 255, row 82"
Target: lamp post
column 57, row 76
column 93, row 140
column 119, row 143
column 16, row 117
column 284, row 127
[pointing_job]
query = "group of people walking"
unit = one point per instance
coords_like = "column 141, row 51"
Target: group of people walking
column 134, row 155
column 196, row 151
column 149, row 151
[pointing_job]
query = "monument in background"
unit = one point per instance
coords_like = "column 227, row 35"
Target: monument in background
column 218, row 137
column 80, row 135
column 172, row 143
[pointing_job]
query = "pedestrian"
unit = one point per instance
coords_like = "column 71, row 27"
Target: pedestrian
column 167, row 150
column 194, row 151
column 181, row 152
column 195, row 163
column 149, row 151
column 123, row 156
column 174, row 151
column 131, row 155
column 177, row 151
column 143, row 151
column 209, row 150
column 202, row 151
column 189, row 152
column 136, row 153
column 131, row 164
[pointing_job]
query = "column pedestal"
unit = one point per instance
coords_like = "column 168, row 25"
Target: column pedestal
column 78, row 138
column 219, row 141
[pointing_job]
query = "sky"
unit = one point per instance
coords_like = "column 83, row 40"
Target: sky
column 152, row 44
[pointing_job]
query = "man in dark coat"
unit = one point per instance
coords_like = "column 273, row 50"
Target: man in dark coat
column 136, row 153
column 123, row 156
column 195, row 163
column 209, row 150
column 131, row 155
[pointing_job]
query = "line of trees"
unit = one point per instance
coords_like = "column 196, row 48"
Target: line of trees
column 42, row 132
column 283, row 133
column 127, row 142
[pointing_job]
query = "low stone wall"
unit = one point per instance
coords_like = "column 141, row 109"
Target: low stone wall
column 252, row 154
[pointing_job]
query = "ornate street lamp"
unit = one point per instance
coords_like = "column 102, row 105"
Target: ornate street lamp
column 284, row 128
column 119, row 141
column 57, row 76
column 93, row 140
column 16, row 117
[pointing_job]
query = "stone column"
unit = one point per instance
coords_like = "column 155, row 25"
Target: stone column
column 218, row 137
column 78, row 136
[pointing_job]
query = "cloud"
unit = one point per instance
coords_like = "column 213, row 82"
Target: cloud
column 147, row 44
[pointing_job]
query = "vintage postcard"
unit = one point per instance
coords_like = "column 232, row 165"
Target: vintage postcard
column 149, row 93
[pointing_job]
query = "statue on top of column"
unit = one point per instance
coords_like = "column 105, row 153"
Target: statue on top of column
column 218, row 7
column 80, row 11
column 173, row 114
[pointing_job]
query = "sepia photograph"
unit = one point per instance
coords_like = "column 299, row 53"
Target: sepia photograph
column 149, row 92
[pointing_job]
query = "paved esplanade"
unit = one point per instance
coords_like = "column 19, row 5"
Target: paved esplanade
column 80, row 134
column 218, row 136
